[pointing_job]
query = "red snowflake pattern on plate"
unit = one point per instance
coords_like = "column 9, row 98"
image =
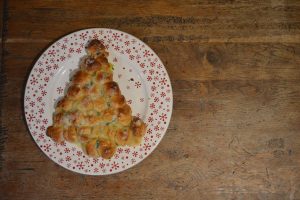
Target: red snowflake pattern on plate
column 153, row 102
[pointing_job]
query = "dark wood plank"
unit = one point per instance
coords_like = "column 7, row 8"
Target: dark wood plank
column 1, row 19
column 200, row 61
column 3, row 31
column 234, row 67
column 163, row 21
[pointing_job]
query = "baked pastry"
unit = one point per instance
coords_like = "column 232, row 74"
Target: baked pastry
column 93, row 113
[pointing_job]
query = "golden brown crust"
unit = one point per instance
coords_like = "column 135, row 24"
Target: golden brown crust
column 56, row 133
column 104, row 63
column 65, row 104
column 81, row 78
column 92, row 147
column 108, row 115
column 93, row 120
column 107, row 149
column 99, row 105
column 94, row 113
column 57, row 118
column 70, row 134
column 138, row 127
column 94, row 46
column 92, row 65
column 112, row 88
column 123, row 136
column 124, row 115
column 85, row 104
column 74, row 91
column 118, row 101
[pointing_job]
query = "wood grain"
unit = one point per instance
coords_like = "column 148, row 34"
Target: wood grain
column 3, row 30
column 235, row 73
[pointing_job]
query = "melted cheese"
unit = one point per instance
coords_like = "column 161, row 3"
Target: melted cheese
column 94, row 114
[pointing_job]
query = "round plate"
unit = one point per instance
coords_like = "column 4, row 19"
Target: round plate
column 143, row 81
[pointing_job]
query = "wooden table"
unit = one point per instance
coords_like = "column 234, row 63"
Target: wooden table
column 235, row 72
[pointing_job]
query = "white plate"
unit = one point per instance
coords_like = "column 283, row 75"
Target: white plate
column 143, row 81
